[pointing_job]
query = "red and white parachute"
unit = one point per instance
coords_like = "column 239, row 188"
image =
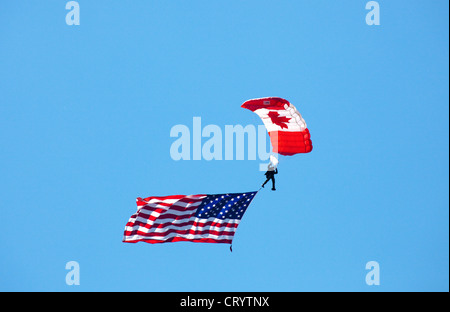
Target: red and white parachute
column 287, row 129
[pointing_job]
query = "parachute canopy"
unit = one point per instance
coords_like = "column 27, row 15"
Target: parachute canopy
column 285, row 125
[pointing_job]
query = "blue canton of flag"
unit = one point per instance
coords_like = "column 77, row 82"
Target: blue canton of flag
column 225, row 206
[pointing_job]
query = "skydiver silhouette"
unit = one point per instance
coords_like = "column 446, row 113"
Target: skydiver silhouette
column 270, row 176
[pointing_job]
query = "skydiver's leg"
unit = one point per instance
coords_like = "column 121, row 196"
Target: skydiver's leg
column 273, row 183
column 265, row 182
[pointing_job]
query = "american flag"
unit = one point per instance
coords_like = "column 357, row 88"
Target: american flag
column 195, row 218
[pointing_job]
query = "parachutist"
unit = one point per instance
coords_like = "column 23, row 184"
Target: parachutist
column 270, row 175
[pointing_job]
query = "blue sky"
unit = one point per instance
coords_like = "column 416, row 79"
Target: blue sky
column 86, row 113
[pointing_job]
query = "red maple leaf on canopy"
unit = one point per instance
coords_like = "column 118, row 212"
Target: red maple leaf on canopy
column 279, row 121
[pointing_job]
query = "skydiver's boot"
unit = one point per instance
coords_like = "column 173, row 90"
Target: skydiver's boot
column 274, row 189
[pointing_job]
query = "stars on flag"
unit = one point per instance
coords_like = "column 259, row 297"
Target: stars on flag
column 225, row 206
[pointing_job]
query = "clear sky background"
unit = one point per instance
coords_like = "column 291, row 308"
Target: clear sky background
column 86, row 113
